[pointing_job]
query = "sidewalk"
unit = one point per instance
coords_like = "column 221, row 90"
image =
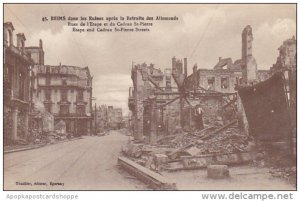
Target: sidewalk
column 16, row 148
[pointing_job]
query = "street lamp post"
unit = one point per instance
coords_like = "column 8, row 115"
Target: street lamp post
column 95, row 118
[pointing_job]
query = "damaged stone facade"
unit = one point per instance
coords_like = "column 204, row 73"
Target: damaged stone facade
column 249, row 66
column 287, row 63
column 66, row 92
column 16, row 82
column 149, row 81
column 114, row 117
column 172, row 96
column 101, row 119
column 287, row 56
column 106, row 118
column 36, row 53
column 226, row 74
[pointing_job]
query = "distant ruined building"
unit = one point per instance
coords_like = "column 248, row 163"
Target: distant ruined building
column 287, row 56
column 66, row 92
column 227, row 74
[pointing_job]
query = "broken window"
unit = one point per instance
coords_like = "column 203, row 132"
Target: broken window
column 64, row 95
column 7, row 76
column 48, row 95
column 64, row 110
column 47, row 69
column 224, row 83
column 48, row 107
column 21, row 86
column 211, row 83
column 168, row 82
column 48, row 80
column 64, row 81
column 80, row 95
column 80, row 109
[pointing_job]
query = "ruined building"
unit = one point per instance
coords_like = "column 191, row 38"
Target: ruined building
column 287, row 56
column 63, row 91
column 148, row 81
column 36, row 53
column 287, row 64
column 16, row 82
column 118, row 117
column 107, row 117
column 114, row 117
column 226, row 74
column 248, row 62
column 66, row 92
column 101, row 119
column 161, row 101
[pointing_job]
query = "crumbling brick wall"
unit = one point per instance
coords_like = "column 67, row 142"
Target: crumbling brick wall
column 172, row 116
column 142, row 90
column 211, row 106
column 21, row 124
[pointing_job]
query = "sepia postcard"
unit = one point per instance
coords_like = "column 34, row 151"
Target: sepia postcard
column 150, row 97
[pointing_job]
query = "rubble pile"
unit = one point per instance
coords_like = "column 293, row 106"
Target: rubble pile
column 227, row 141
column 125, row 131
column 210, row 141
column 39, row 137
column 36, row 135
column 288, row 173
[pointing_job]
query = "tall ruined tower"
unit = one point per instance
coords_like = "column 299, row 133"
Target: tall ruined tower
column 249, row 66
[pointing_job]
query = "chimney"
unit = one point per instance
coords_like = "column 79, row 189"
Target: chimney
column 195, row 78
column 185, row 67
column 41, row 44
column 173, row 62
column 195, row 68
column 8, row 33
column 21, row 40
column 181, row 66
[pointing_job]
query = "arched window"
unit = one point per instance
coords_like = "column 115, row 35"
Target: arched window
column 9, row 37
column 23, row 43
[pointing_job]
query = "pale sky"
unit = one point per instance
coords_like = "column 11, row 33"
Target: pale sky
column 216, row 28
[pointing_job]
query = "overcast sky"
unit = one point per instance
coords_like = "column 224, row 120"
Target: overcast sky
column 203, row 33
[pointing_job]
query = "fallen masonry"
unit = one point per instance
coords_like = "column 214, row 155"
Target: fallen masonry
column 217, row 171
column 153, row 179
column 232, row 114
column 193, row 150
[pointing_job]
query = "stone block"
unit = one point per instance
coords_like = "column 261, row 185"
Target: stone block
column 245, row 157
column 233, row 159
column 160, row 159
column 193, row 151
column 190, row 163
column 217, row 171
column 219, row 118
column 222, row 159
column 149, row 162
